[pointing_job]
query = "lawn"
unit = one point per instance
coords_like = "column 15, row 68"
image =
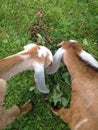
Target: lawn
column 55, row 21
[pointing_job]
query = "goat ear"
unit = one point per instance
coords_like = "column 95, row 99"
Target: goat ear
column 88, row 58
column 40, row 78
column 56, row 61
column 2, row 90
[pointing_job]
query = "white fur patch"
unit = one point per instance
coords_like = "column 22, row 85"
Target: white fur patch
column 89, row 58
column 43, row 51
column 81, row 123
column 73, row 41
column 29, row 46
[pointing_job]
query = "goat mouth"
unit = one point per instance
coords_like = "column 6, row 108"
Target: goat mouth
column 57, row 106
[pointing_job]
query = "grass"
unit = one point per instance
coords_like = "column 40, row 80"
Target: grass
column 62, row 20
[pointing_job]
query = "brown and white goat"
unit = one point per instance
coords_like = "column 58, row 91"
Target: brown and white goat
column 9, row 116
column 34, row 57
column 83, row 111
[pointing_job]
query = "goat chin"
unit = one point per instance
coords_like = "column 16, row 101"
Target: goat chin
column 83, row 111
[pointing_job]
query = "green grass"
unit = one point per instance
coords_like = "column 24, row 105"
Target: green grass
column 63, row 20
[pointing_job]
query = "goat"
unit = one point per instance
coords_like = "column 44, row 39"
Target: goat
column 33, row 57
column 9, row 116
column 83, row 111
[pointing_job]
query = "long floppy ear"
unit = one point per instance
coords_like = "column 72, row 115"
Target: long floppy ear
column 40, row 78
column 89, row 58
column 56, row 61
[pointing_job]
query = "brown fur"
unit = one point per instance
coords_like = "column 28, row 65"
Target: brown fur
column 8, row 65
column 10, row 62
column 9, row 116
column 84, row 100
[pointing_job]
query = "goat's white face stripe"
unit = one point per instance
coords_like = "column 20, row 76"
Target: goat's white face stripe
column 43, row 51
column 88, row 58
column 56, row 61
column 81, row 123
